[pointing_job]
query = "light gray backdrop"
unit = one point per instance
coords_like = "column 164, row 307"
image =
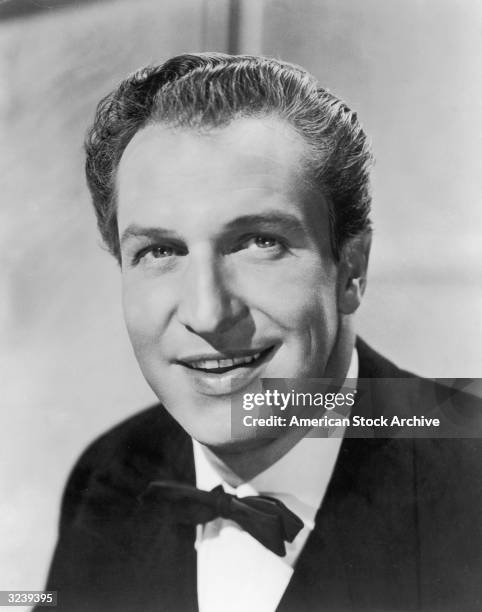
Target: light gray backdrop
column 412, row 70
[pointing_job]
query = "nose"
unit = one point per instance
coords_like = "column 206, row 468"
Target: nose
column 209, row 305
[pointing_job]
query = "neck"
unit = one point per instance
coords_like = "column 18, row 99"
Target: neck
column 251, row 458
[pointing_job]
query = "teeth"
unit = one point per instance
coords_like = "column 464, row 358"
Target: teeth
column 211, row 364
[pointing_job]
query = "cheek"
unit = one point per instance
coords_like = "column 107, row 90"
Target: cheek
column 296, row 297
column 311, row 324
column 146, row 312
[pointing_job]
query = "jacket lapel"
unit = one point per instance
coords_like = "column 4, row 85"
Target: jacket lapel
column 362, row 553
column 144, row 559
column 164, row 548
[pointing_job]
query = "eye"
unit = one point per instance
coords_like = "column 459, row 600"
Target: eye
column 157, row 253
column 265, row 242
column 264, row 246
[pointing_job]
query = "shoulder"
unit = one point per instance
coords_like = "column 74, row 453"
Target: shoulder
column 138, row 432
column 446, row 460
column 393, row 391
column 117, row 466
column 374, row 365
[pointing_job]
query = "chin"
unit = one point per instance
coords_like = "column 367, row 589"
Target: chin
column 215, row 430
column 220, row 437
column 208, row 424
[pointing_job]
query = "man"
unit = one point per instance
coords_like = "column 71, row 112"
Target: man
column 234, row 193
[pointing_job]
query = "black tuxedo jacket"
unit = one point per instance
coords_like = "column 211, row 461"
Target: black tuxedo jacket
column 398, row 529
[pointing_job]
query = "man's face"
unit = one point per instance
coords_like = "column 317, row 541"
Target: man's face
column 227, row 270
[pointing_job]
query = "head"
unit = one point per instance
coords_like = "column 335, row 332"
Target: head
column 233, row 192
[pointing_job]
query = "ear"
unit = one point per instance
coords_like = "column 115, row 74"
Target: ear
column 352, row 273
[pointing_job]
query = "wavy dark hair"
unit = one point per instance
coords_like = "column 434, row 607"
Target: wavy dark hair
column 209, row 90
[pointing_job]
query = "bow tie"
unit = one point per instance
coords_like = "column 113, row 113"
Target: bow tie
column 265, row 518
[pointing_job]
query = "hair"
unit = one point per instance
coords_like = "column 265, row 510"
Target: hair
column 209, row 90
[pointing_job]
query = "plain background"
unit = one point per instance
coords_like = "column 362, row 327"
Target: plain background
column 411, row 68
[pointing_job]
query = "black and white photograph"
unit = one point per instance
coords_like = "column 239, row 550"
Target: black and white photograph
column 241, row 305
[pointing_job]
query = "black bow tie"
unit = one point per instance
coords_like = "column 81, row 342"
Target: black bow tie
column 265, row 518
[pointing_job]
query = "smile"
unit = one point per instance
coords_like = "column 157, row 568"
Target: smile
column 225, row 374
column 223, row 364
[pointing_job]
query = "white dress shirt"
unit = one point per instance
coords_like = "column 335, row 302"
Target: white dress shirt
column 234, row 571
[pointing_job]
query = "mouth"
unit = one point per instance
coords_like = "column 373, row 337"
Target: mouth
column 221, row 364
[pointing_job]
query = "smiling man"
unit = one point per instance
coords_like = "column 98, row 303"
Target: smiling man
column 233, row 192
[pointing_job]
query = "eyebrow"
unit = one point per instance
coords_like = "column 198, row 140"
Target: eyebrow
column 283, row 221
column 153, row 233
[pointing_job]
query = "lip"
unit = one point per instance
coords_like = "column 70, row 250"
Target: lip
column 226, row 383
column 218, row 356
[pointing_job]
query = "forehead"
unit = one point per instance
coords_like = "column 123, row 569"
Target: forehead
column 269, row 144
column 177, row 174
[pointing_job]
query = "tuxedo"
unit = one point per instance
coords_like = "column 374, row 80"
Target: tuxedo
column 398, row 528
